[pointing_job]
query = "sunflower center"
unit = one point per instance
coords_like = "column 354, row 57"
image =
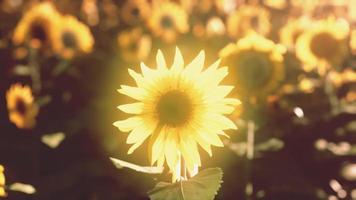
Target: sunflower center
column 38, row 32
column 69, row 40
column 167, row 22
column 20, row 106
column 253, row 69
column 254, row 22
column 323, row 45
column 135, row 12
column 174, row 108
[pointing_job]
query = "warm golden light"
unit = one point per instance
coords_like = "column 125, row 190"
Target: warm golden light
column 178, row 108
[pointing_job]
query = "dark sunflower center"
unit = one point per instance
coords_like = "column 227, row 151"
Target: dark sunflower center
column 323, row 45
column 20, row 106
column 174, row 108
column 135, row 12
column 254, row 22
column 167, row 22
column 253, row 69
column 38, row 32
column 69, row 40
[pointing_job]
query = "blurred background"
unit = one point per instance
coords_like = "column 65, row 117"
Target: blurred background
column 292, row 62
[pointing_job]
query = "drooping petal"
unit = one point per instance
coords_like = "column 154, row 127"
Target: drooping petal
column 158, row 146
column 171, row 150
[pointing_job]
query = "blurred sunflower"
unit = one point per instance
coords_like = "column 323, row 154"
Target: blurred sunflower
column 38, row 26
column 344, row 77
column 168, row 20
column 21, row 106
column 276, row 4
column 178, row 108
column 134, row 45
column 135, row 11
column 227, row 6
column 324, row 43
column 215, row 27
column 73, row 37
column 353, row 42
column 256, row 64
column 204, row 6
column 290, row 32
column 248, row 18
column 2, row 182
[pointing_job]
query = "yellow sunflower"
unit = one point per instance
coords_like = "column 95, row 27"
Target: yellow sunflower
column 38, row 26
column 290, row 32
column 73, row 37
column 21, row 106
column 246, row 19
column 215, row 27
column 227, row 6
column 276, row 4
column 168, row 20
column 2, row 182
column 177, row 108
column 322, row 44
column 256, row 63
column 134, row 45
column 353, row 42
column 135, row 11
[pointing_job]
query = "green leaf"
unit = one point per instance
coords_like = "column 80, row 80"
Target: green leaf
column 149, row 170
column 203, row 186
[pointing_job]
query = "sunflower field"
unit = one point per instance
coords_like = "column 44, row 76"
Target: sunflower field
column 178, row 99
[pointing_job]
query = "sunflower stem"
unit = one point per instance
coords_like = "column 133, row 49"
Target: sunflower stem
column 330, row 92
column 249, row 155
column 34, row 71
column 183, row 169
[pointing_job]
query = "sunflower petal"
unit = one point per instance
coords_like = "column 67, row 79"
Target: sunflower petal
column 132, row 108
column 128, row 124
column 133, row 92
column 196, row 66
column 161, row 62
column 139, row 134
column 178, row 62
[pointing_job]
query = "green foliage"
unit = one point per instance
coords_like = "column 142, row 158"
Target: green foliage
column 203, row 186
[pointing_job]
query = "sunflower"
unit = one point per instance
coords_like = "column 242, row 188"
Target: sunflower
column 21, row 106
column 248, row 18
column 38, row 26
column 290, row 32
column 215, row 27
column 168, row 20
column 177, row 108
column 276, row 4
column 324, row 43
column 257, row 64
column 134, row 45
column 135, row 11
column 344, row 77
column 2, row 182
column 227, row 6
column 73, row 37
column 353, row 42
